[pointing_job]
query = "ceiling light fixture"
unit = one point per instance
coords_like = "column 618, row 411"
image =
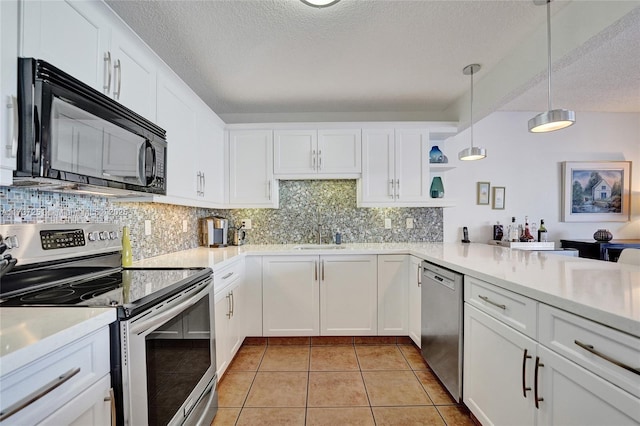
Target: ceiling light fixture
column 555, row 119
column 319, row 3
column 473, row 152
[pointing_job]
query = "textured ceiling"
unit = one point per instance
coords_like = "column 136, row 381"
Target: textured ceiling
column 385, row 57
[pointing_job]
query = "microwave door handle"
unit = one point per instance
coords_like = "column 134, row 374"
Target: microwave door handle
column 148, row 180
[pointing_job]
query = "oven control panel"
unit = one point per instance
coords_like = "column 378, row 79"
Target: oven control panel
column 65, row 238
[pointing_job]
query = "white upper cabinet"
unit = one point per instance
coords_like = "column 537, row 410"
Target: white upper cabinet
column 8, row 89
column 210, row 180
column 251, row 181
column 177, row 115
column 395, row 169
column 89, row 42
column 317, row 154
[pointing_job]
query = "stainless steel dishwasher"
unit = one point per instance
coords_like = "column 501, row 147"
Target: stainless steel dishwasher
column 442, row 325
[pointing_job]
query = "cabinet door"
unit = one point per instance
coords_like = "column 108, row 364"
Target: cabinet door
column 91, row 407
column 73, row 36
column 290, row 296
column 339, row 151
column 8, row 89
column 574, row 396
column 412, row 165
column 211, row 157
column 251, row 182
column 415, row 299
column 295, row 152
column 378, row 160
column 235, row 329
column 134, row 74
column 498, row 379
column 348, row 295
column 222, row 312
column 252, row 296
column 393, row 298
column 177, row 115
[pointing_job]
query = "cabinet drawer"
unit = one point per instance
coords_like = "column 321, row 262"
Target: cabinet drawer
column 513, row 309
column 600, row 349
column 227, row 275
column 90, row 355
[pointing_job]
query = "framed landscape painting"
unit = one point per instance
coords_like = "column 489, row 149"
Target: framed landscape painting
column 596, row 191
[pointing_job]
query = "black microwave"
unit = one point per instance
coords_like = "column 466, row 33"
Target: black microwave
column 74, row 137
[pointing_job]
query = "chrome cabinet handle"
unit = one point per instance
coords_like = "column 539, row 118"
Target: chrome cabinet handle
column 419, row 276
column 13, row 147
column 319, row 159
column 227, row 275
column 391, row 188
column 397, row 188
column 233, row 304
column 525, row 388
column 229, row 305
column 316, row 270
column 198, row 177
column 323, row 270
column 118, row 68
column 38, row 394
column 107, row 72
column 535, row 383
column 269, row 190
column 486, row 299
column 204, row 183
column 590, row 348
column 313, row 159
column 111, row 399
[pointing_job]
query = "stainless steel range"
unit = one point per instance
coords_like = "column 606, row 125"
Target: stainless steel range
column 163, row 344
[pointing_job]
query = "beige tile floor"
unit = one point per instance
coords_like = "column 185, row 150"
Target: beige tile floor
column 333, row 381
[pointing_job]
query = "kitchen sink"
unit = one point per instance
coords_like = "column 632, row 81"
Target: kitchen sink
column 318, row 247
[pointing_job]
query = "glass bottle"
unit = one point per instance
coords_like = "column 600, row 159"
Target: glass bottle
column 127, row 253
column 437, row 189
column 513, row 230
column 542, row 232
column 526, row 233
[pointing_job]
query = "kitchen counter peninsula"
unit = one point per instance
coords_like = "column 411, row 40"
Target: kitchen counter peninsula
column 605, row 292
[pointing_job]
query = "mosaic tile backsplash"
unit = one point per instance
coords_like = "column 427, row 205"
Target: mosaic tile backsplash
column 303, row 205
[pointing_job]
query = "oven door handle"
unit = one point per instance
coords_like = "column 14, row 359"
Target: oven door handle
column 156, row 320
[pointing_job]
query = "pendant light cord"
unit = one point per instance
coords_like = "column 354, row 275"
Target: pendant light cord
column 549, row 51
column 471, row 107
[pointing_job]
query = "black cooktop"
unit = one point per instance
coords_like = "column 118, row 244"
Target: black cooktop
column 131, row 289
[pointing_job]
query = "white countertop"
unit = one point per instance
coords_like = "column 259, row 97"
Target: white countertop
column 27, row 334
column 605, row 292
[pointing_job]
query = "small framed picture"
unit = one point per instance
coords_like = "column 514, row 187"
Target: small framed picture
column 498, row 198
column 483, row 193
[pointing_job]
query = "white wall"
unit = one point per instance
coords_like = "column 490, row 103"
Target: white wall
column 529, row 166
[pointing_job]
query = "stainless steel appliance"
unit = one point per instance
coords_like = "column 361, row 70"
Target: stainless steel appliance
column 214, row 231
column 163, row 343
column 239, row 236
column 73, row 137
column 442, row 325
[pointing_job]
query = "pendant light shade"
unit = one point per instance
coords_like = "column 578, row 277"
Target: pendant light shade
column 553, row 119
column 472, row 153
column 319, row 3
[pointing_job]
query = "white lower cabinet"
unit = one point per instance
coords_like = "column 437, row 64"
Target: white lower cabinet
column 393, row 298
column 328, row 295
column 253, row 296
column 497, row 371
column 74, row 382
column 290, row 296
column 229, row 314
column 510, row 378
column 348, row 295
column 8, row 89
column 415, row 299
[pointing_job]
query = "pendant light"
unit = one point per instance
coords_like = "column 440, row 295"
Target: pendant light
column 319, row 3
column 473, row 152
column 555, row 119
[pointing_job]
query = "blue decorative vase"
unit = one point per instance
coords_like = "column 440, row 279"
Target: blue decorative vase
column 435, row 155
column 437, row 189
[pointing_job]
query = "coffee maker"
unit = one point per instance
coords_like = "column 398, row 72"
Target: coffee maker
column 214, row 231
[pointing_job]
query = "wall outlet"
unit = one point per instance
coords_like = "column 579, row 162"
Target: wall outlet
column 246, row 223
column 409, row 223
column 147, row 227
column 185, row 226
column 387, row 223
